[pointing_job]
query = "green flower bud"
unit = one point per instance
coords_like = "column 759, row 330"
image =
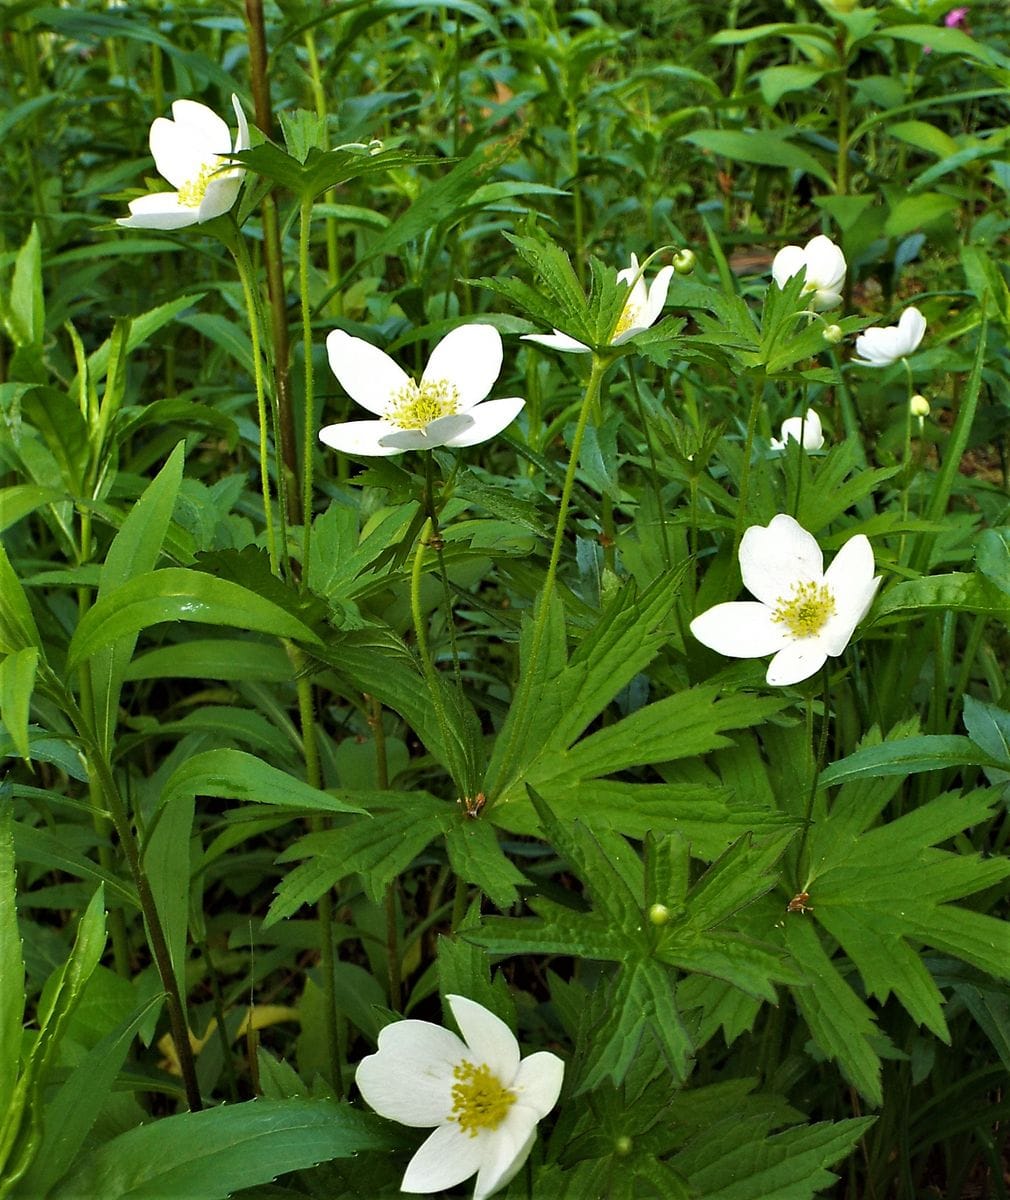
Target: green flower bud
column 659, row 914
column 833, row 334
column 684, row 262
column 919, row 406
column 623, row 1146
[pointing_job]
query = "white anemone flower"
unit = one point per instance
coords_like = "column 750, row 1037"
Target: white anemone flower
column 825, row 266
column 190, row 152
column 446, row 408
column 805, row 430
column 803, row 614
column 881, row 346
column 641, row 311
column 483, row 1101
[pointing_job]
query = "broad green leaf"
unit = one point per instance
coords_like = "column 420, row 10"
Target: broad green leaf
column 24, row 498
column 476, row 856
column 209, row 1155
column 26, row 311
column 989, row 728
column 49, row 851
column 178, row 594
column 17, row 682
column 759, row 146
column 776, row 82
column 947, row 41
column 927, row 752
column 12, row 971
column 134, row 551
column 956, row 591
column 228, row 659
column 913, row 212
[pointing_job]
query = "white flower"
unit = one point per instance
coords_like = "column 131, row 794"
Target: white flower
column 641, row 310
column 444, row 409
column 825, row 266
column 189, row 151
column 881, row 346
column 483, row 1101
column 805, row 430
column 803, row 614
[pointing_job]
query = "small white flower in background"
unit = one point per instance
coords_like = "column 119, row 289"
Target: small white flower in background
column 803, row 614
column 483, row 1101
column 641, row 311
column 444, row 409
column 881, row 346
column 190, row 152
column 825, row 266
column 805, row 430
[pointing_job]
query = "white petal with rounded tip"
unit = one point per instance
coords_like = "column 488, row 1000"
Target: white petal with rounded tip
column 658, row 290
column 824, row 298
column 444, row 1160
column 538, row 1081
column 775, row 557
column 242, row 134
column 508, row 1148
column 556, row 341
column 802, row 658
column 912, row 327
column 805, row 430
column 360, row 437
column 436, row 433
column 490, row 1039
column 220, row 196
column 410, row 1079
column 488, row 420
column 159, row 210
column 203, row 122
column 788, row 261
column 368, row 375
column 825, row 263
column 850, row 572
column 470, row 358
column 740, row 629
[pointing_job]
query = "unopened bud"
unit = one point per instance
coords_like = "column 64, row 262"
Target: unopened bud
column 623, row 1146
column 659, row 914
column 375, row 146
column 919, row 406
column 684, row 262
column 833, row 334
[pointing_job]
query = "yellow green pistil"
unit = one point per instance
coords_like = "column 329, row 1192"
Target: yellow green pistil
column 479, row 1101
column 417, row 405
column 806, row 612
column 630, row 317
column 192, row 192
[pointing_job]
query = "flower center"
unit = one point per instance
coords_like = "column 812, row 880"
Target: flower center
column 416, row 405
column 479, row 1101
column 806, row 612
column 192, row 192
column 631, row 316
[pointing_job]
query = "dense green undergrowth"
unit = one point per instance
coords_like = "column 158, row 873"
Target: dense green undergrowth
column 464, row 709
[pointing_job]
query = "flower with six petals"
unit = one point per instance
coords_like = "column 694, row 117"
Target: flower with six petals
column 446, row 408
column 190, row 152
column 803, row 614
column 641, row 311
column 805, row 430
column 882, row 345
column 825, row 267
column 483, row 1101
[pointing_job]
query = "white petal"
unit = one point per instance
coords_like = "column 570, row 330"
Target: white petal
column 202, row 122
column 367, row 374
column 800, row 659
column 488, row 1037
column 658, row 290
column 538, row 1081
column 220, row 195
column 410, row 1079
column 740, row 629
column 444, row 1160
column 788, row 261
column 879, row 346
column 806, row 430
column 360, row 437
column 556, row 341
column 825, row 298
column 159, row 210
column 470, row 358
column 488, row 420
column 242, row 135
column 825, row 263
column 178, row 153
column 775, row 557
column 911, row 328
column 511, row 1145
column 853, row 585
column 435, row 433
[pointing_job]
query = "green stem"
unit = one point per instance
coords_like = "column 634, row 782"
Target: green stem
column 305, row 224
column 816, row 766
column 908, row 474
column 374, row 708
column 654, row 468
column 245, row 271
column 745, row 470
column 437, row 542
column 421, row 633
column 335, row 300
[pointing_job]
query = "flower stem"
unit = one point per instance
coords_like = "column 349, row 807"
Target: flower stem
column 421, row 633
column 436, row 541
column 241, row 256
column 816, row 766
column 305, row 224
column 908, row 474
column 745, row 470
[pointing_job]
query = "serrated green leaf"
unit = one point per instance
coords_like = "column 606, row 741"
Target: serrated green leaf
column 476, row 857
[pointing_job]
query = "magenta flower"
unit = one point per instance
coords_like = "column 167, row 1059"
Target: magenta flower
column 955, row 18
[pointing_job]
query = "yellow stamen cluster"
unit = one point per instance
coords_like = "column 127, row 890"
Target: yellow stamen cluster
column 417, row 405
column 479, row 1101
column 807, row 611
column 192, row 192
column 630, row 317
